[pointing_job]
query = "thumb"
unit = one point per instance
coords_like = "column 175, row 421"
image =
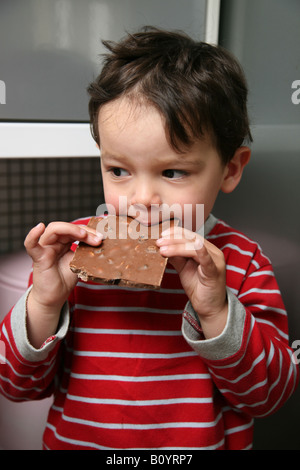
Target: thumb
column 207, row 267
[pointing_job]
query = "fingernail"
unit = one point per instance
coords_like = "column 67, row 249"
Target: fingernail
column 165, row 233
column 163, row 249
column 98, row 237
column 198, row 244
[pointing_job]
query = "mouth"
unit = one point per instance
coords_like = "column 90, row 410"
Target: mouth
column 147, row 218
column 149, row 222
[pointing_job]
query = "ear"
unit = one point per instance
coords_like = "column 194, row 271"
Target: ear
column 234, row 169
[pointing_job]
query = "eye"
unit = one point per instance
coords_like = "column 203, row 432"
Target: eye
column 174, row 174
column 118, row 172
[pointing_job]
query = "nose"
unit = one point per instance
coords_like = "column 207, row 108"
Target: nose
column 145, row 193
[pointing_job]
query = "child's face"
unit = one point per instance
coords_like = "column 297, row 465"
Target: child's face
column 137, row 162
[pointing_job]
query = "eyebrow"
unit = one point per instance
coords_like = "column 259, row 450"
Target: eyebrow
column 168, row 162
column 109, row 156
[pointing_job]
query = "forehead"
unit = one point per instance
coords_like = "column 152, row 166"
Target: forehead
column 129, row 113
column 133, row 127
column 130, row 128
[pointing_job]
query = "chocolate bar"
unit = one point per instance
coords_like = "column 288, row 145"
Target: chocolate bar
column 128, row 255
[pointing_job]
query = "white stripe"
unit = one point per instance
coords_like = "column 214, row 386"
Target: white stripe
column 271, row 354
column 292, row 367
column 129, row 355
column 229, row 267
column 239, row 428
column 241, row 236
column 271, row 309
column 150, row 378
column 93, row 445
column 17, row 387
column 75, row 442
column 108, row 308
column 256, row 264
column 242, row 376
column 163, row 402
column 30, row 376
column 262, row 273
column 266, row 322
column 234, row 291
column 274, row 384
column 237, row 248
column 141, row 427
column 260, row 291
column 246, row 392
column 110, row 331
column 12, row 397
column 226, row 234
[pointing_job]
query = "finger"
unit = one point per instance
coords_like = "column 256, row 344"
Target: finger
column 89, row 230
column 93, row 237
column 178, row 233
column 66, row 233
column 180, row 246
column 31, row 242
column 195, row 250
column 183, row 249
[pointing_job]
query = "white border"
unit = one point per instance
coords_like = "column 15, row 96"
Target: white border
column 38, row 140
column 212, row 21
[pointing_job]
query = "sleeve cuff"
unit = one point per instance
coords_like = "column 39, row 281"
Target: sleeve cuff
column 18, row 325
column 227, row 343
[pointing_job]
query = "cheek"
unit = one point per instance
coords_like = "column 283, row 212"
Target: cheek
column 116, row 203
column 196, row 205
column 188, row 204
column 111, row 197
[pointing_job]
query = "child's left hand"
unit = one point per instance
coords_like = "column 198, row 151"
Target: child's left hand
column 202, row 270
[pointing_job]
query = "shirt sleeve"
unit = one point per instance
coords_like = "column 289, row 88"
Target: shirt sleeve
column 250, row 362
column 227, row 343
column 27, row 373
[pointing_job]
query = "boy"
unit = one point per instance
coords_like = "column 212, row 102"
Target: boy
column 126, row 368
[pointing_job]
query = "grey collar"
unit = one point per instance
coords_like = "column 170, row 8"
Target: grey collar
column 209, row 224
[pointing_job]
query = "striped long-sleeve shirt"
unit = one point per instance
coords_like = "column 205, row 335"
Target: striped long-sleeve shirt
column 130, row 369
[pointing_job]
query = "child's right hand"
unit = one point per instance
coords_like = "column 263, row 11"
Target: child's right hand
column 53, row 281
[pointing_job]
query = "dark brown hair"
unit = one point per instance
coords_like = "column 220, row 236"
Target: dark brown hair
column 197, row 87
